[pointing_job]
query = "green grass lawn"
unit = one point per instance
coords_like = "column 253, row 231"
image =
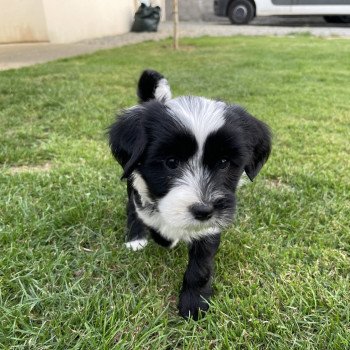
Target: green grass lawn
column 283, row 270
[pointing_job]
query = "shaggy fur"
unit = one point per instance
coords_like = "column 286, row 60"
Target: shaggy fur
column 183, row 159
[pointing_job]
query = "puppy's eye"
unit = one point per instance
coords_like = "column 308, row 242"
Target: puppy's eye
column 223, row 163
column 172, row 163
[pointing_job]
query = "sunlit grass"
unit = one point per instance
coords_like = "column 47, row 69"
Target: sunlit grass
column 282, row 272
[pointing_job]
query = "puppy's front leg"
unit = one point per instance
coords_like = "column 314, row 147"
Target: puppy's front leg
column 196, row 287
column 136, row 235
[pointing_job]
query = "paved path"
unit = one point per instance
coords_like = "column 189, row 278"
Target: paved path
column 20, row 55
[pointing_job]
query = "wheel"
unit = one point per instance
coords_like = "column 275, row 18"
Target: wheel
column 344, row 19
column 241, row 11
column 337, row 19
column 331, row 19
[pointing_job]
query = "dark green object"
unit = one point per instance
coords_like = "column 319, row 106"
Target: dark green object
column 146, row 19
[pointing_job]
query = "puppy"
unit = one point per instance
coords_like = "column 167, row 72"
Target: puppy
column 183, row 159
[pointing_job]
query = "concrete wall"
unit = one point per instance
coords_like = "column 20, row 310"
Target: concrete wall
column 74, row 20
column 63, row 21
column 191, row 10
column 22, row 20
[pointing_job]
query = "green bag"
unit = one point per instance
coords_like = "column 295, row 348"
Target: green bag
column 146, row 19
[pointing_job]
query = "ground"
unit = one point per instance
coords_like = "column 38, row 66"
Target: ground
column 16, row 56
column 282, row 271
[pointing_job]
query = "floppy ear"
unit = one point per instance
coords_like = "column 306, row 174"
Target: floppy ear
column 127, row 139
column 257, row 137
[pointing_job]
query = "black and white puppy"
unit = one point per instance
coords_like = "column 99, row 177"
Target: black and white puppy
column 183, row 159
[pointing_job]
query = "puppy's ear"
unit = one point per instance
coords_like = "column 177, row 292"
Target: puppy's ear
column 153, row 85
column 127, row 139
column 257, row 137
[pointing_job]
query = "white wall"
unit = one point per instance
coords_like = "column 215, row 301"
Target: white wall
column 74, row 20
column 63, row 21
column 22, row 20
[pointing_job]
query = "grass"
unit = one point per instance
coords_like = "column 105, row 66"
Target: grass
column 282, row 271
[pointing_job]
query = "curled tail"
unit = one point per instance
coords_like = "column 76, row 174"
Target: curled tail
column 153, row 85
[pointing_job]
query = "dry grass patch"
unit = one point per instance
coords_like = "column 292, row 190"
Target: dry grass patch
column 46, row 167
column 278, row 185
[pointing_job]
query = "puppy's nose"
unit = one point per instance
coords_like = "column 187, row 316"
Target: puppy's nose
column 202, row 211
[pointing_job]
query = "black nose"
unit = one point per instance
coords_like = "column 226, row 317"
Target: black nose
column 201, row 211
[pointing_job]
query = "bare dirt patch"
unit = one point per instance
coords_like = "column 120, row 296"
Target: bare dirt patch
column 278, row 185
column 30, row 168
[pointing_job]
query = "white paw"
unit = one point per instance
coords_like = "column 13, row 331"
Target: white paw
column 244, row 180
column 174, row 244
column 138, row 244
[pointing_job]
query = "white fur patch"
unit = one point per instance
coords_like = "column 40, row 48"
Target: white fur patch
column 200, row 115
column 141, row 187
column 174, row 244
column 174, row 206
column 173, row 220
column 162, row 92
column 244, row 180
column 138, row 244
column 176, row 233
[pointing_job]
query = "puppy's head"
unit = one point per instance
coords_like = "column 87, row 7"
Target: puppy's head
column 186, row 155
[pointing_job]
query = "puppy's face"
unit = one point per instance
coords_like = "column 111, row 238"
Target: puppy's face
column 185, row 157
column 191, row 164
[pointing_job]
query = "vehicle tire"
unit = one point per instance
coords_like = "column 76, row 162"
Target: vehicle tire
column 344, row 19
column 241, row 11
column 337, row 19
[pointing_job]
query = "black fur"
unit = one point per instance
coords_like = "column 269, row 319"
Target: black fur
column 196, row 287
column 148, row 140
column 257, row 138
column 135, row 227
column 148, row 84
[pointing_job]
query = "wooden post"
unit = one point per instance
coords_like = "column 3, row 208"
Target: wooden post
column 176, row 23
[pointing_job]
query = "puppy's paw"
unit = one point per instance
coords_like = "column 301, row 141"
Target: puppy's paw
column 174, row 244
column 244, row 180
column 137, row 244
column 191, row 304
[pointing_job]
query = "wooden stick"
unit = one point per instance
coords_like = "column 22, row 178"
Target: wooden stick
column 176, row 23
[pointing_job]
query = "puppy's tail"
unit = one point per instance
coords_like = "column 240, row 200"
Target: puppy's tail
column 153, row 85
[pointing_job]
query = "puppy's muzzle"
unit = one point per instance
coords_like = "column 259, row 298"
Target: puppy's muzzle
column 202, row 212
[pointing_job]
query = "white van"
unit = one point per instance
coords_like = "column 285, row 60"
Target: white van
column 243, row 11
